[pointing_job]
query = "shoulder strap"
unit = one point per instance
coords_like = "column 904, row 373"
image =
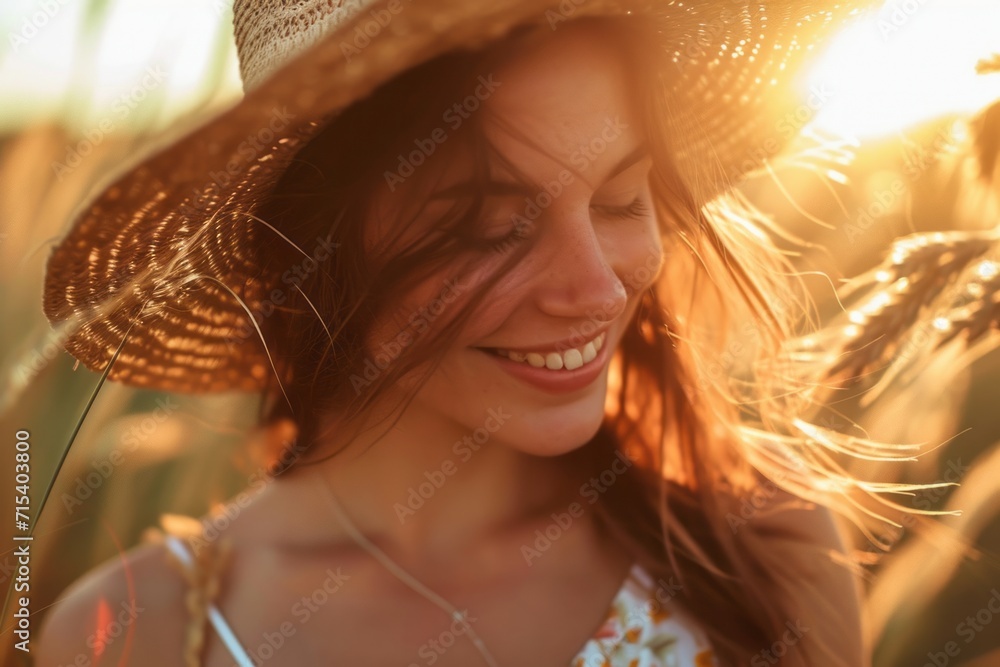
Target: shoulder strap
column 202, row 571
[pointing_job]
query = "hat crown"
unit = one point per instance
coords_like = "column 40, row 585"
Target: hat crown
column 270, row 32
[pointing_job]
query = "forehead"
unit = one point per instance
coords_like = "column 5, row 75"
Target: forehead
column 559, row 100
column 560, row 89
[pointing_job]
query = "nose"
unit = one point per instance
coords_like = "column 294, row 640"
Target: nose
column 579, row 280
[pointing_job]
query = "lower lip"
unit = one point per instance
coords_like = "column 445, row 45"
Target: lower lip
column 555, row 382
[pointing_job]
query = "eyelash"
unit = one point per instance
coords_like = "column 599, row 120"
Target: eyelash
column 636, row 209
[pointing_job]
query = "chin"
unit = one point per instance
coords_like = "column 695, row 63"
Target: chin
column 554, row 430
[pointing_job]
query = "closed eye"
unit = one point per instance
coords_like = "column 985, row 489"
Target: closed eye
column 636, row 209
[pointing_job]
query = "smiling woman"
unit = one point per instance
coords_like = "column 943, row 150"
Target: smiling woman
column 495, row 383
column 458, row 218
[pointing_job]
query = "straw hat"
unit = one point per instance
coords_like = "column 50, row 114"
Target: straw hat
column 156, row 257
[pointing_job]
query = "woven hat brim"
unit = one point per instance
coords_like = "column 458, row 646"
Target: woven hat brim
column 160, row 252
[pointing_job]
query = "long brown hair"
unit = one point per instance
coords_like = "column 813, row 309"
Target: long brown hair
column 673, row 414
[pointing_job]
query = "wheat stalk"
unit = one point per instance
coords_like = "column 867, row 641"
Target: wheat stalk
column 931, row 289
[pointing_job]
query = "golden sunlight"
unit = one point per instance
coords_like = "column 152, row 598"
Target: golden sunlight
column 908, row 62
column 111, row 58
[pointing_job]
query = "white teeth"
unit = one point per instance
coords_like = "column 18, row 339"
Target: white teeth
column 570, row 360
column 535, row 359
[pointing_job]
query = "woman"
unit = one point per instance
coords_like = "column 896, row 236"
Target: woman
column 487, row 306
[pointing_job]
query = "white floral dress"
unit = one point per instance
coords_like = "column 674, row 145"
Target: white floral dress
column 643, row 628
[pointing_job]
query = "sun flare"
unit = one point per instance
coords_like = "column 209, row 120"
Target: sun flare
column 907, row 62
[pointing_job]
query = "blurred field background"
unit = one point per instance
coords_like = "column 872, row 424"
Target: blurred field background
column 904, row 138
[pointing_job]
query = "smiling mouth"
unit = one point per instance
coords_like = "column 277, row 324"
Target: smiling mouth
column 569, row 359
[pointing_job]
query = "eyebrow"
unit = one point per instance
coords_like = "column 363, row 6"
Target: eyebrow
column 497, row 188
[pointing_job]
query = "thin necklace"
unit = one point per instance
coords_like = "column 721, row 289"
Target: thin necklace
column 400, row 573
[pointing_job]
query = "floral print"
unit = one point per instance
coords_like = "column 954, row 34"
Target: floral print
column 643, row 630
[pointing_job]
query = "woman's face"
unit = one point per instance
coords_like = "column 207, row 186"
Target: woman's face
column 531, row 365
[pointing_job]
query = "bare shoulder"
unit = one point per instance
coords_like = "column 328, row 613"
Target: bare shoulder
column 802, row 520
column 812, row 556
column 126, row 610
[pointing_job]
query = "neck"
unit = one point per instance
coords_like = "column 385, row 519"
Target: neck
column 427, row 487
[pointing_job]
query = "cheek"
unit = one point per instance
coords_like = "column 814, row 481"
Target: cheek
column 646, row 267
column 426, row 307
column 418, row 312
column 510, row 296
column 643, row 257
column 409, row 320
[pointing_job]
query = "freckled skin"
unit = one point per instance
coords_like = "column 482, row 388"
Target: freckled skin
column 568, row 94
column 482, row 501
